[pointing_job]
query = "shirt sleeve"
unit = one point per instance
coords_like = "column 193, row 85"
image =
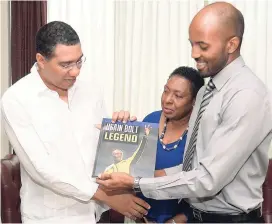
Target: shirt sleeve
column 173, row 170
column 45, row 169
column 242, row 129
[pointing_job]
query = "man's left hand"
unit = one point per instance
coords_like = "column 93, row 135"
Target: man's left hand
column 123, row 116
column 115, row 181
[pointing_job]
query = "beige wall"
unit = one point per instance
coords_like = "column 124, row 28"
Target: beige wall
column 4, row 64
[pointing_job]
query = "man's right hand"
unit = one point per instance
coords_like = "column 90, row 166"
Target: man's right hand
column 127, row 204
column 123, row 202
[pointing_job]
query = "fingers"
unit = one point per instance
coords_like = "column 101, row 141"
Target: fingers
column 133, row 118
column 105, row 189
column 114, row 117
column 137, row 214
column 108, row 185
column 143, row 204
column 139, row 211
column 126, row 117
column 120, row 116
column 123, row 116
column 130, row 216
column 104, row 176
column 104, row 180
column 115, row 181
column 103, row 183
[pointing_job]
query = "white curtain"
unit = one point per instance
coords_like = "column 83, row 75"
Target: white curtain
column 93, row 20
column 151, row 40
column 131, row 46
column 257, row 37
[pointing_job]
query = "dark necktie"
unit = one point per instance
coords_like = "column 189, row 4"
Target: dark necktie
column 189, row 154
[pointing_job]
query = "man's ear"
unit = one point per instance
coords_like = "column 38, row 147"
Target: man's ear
column 233, row 44
column 40, row 60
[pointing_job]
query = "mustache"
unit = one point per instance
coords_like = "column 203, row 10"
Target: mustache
column 200, row 60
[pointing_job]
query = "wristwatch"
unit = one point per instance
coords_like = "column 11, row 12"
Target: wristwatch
column 136, row 185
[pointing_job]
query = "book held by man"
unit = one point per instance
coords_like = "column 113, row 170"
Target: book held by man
column 127, row 147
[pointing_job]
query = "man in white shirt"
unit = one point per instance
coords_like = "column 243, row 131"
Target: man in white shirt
column 50, row 119
column 226, row 157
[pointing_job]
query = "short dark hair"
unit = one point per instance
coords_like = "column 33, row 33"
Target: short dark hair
column 54, row 33
column 192, row 75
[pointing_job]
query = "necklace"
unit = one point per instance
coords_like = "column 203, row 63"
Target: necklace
column 163, row 133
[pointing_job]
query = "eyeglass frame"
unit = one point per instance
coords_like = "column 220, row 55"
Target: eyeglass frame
column 78, row 64
column 69, row 67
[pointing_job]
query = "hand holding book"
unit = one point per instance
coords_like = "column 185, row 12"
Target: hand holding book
column 115, row 181
column 123, row 116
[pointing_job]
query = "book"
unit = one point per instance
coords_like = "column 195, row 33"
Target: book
column 127, row 147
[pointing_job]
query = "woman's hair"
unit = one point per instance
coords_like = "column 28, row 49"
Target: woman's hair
column 192, row 75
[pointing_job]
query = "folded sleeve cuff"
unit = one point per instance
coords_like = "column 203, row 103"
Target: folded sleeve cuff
column 147, row 186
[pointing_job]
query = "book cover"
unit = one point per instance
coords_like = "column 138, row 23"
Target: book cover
column 127, row 147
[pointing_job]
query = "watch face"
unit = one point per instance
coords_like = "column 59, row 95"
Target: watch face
column 136, row 186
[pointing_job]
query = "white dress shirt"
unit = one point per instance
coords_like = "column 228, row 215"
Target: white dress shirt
column 56, row 145
column 231, row 157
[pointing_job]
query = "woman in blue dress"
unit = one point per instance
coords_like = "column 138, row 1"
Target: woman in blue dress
column 177, row 103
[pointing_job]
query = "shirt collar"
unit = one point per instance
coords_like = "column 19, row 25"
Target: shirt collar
column 39, row 85
column 221, row 78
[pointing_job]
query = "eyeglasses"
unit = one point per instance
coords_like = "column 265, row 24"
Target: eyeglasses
column 78, row 64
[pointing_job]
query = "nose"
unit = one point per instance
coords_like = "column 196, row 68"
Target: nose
column 169, row 98
column 74, row 72
column 195, row 52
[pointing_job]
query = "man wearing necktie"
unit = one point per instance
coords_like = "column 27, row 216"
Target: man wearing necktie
column 226, row 156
